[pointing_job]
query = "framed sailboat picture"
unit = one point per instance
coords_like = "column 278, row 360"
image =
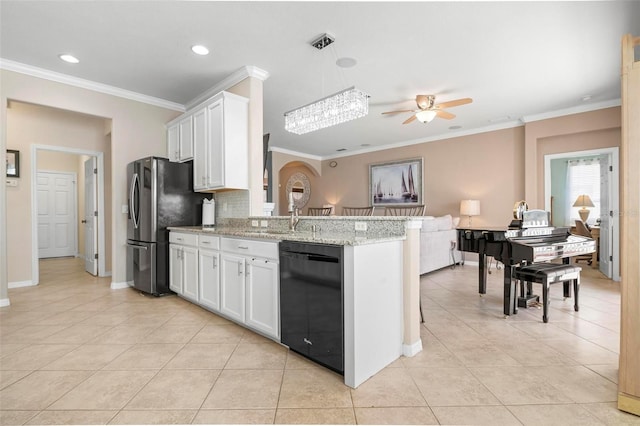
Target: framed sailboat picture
column 396, row 183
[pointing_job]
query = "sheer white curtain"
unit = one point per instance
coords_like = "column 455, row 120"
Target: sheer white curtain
column 583, row 177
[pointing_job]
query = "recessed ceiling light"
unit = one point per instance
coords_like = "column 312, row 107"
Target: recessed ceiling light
column 346, row 62
column 69, row 58
column 341, row 149
column 455, row 127
column 586, row 98
column 365, row 144
column 199, row 49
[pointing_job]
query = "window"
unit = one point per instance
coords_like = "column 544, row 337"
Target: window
column 583, row 177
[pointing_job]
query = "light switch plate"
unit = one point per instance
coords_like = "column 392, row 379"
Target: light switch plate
column 12, row 182
column 264, row 223
column 125, row 209
column 361, row 226
column 254, row 223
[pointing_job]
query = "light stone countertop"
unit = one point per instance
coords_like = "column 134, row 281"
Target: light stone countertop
column 349, row 238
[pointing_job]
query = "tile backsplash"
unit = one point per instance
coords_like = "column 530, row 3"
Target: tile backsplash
column 230, row 204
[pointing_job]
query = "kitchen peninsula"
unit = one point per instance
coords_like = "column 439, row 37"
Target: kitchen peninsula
column 234, row 270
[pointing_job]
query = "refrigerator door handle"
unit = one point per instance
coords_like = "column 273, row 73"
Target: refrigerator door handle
column 137, row 246
column 134, row 182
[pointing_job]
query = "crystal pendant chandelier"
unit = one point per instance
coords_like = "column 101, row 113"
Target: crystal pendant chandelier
column 340, row 107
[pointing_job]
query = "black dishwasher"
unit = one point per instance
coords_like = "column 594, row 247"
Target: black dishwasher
column 311, row 301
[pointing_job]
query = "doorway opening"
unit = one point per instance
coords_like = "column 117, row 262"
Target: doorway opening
column 557, row 175
column 96, row 264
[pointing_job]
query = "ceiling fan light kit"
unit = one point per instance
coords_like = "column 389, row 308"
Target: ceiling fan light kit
column 428, row 109
column 340, row 107
column 426, row 116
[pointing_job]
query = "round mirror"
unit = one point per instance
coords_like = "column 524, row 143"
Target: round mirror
column 299, row 185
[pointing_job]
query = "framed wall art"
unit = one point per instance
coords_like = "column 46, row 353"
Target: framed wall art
column 397, row 183
column 13, row 163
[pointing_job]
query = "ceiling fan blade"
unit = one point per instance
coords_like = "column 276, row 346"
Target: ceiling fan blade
column 453, row 103
column 409, row 120
column 445, row 114
column 396, row 112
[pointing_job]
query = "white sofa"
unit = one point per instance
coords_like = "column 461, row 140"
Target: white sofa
column 437, row 237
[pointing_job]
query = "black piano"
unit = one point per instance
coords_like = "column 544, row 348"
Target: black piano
column 528, row 241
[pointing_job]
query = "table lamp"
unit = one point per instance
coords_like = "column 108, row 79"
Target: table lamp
column 583, row 201
column 470, row 208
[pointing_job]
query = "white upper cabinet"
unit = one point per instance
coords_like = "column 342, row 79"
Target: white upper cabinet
column 180, row 139
column 221, row 160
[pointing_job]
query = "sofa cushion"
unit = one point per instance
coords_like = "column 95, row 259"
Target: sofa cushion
column 441, row 223
column 429, row 224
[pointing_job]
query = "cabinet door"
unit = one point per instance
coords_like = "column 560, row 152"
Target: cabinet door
column 209, row 278
column 186, row 139
column 190, row 273
column 215, row 143
column 232, row 277
column 262, row 288
column 200, row 151
column 173, row 143
column 175, row 268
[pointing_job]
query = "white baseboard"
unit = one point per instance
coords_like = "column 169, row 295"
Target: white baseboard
column 17, row 284
column 4, row 302
column 412, row 349
column 472, row 262
column 106, row 274
column 118, row 286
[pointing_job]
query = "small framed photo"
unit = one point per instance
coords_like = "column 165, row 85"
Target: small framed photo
column 13, row 163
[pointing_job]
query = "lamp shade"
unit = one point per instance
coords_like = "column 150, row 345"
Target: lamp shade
column 426, row 116
column 583, row 201
column 470, row 207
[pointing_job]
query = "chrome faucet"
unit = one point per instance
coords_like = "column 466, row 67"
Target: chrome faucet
column 293, row 220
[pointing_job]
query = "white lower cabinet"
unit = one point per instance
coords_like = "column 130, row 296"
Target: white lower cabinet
column 263, row 296
column 232, row 285
column 235, row 277
column 209, row 278
column 183, row 264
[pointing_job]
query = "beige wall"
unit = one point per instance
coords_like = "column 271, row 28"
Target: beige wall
column 252, row 88
column 575, row 132
column 486, row 166
column 137, row 130
column 29, row 124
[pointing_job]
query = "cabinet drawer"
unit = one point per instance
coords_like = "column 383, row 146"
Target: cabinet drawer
column 183, row 238
column 265, row 249
column 209, row 242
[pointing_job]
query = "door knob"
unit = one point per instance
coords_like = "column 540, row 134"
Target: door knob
column 84, row 221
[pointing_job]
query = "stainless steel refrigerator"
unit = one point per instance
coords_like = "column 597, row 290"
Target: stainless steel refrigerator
column 160, row 195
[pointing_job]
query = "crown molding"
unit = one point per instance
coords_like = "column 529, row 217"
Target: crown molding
column 573, row 110
column 233, row 79
column 21, row 68
column 296, row 153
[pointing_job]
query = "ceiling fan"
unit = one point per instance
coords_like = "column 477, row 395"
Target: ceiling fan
column 428, row 109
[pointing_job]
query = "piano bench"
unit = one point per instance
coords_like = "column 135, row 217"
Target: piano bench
column 547, row 274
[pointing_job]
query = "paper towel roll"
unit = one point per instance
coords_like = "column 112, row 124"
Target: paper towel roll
column 208, row 212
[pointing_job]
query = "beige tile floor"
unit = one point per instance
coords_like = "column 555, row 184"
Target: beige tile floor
column 72, row 351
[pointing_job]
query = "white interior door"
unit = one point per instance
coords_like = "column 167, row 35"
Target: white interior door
column 90, row 218
column 56, row 199
column 605, row 243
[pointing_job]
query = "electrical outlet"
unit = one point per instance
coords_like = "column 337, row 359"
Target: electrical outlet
column 125, row 209
column 264, row 223
column 361, row 226
column 254, row 223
